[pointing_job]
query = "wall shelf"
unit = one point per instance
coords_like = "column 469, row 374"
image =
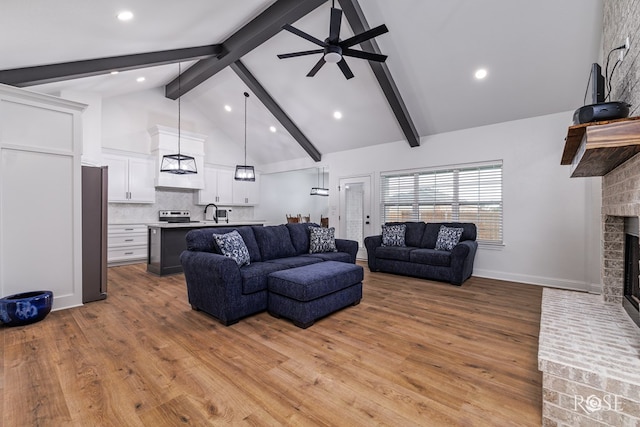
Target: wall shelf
column 595, row 149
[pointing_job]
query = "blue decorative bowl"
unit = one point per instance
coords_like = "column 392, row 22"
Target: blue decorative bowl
column 25, row 308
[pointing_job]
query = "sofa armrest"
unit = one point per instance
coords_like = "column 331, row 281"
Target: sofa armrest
column 371, row 243
column 462, row 257
column 214, row 283
column 348, row 246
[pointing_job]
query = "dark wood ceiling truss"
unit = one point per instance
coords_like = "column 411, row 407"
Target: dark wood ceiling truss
column 41, row 74
column 358, row 24
column 252, row 83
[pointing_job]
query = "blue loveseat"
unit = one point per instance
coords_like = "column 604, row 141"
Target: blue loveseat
column 219, row 287
column 419, row 258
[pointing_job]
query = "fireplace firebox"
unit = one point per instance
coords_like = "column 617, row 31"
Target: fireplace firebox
column 631, row 298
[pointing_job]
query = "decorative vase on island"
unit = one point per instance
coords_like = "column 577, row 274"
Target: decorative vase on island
column 25, row 308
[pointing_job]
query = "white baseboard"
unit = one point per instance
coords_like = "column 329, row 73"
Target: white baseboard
column 550, row 282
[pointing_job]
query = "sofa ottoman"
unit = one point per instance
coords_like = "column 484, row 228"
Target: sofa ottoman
column 305, row 294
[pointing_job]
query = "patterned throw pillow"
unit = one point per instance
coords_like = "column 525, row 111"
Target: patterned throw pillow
column 322, row 240
column 231, row 245
column 393, row 235
column 448, row 238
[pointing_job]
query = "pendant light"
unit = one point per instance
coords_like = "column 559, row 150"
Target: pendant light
column 244, row 172
column 179, row 164
column 320, row 191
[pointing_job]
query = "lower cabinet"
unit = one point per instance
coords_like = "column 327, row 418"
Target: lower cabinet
column 127, row 244
column 166, row 245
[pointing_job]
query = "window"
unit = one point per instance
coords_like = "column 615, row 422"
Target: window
column 466, row 193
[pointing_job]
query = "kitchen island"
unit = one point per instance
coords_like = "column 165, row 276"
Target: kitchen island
column 167, row 241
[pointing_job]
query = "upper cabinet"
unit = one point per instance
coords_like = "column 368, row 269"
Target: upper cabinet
column 217, row 187
column 246, row 192
column 131, row 178
column 220, row 188
column 164, row 140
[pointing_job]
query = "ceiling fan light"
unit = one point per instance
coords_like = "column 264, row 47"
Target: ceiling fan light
column 333, row 54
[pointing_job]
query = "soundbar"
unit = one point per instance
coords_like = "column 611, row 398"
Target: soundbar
column 601, row 111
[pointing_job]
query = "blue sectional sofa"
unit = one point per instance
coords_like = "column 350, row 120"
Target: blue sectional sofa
column 221, row 288
column 416, row 255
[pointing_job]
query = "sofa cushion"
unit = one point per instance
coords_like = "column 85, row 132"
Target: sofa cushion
column 295, row 261
column 433, row 228
column 431, row 257
column 255, row 275
column 315, row 281
column 394, row 252
column 231, row 245
column 274, row 242
column 201, row 240
column 332, row 256
column 299, row 233
column 414, row 232
column 448, row 238
column 322, row 240
column 393, row 235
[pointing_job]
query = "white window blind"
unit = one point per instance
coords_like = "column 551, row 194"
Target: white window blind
column 465, row 194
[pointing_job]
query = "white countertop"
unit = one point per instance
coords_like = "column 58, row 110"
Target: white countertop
column 202, row 224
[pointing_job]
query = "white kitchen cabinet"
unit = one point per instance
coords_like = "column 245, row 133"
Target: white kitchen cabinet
column 218, row 187
column 40, row 176
column 246, row 193
column 130, row 178
column 127, row 244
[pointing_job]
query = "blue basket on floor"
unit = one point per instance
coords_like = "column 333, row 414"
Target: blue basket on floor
column 25, row 308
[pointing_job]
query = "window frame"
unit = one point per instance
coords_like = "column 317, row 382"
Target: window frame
column 410, row 199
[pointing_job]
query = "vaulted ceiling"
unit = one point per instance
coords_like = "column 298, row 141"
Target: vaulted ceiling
column 537, row 55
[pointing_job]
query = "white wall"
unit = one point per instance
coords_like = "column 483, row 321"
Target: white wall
column 91, row 125
column 126, row 120
column 551, row 221
column 288, row 193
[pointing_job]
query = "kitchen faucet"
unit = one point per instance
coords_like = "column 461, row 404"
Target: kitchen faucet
column 215, row 212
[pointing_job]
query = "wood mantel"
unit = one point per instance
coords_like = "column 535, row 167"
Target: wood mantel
column 594, row 149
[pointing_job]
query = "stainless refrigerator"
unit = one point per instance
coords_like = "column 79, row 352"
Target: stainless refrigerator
column 94, row 233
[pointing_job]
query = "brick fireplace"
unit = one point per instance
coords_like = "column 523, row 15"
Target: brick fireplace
column 589, row 348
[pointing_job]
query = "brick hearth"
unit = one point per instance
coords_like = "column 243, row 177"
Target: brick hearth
column 589, row 348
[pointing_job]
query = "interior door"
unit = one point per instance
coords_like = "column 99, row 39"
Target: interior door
column 355, row 210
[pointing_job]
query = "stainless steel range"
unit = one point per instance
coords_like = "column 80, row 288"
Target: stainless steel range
column 176, row 216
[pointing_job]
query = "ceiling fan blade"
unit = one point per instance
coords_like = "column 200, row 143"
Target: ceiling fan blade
column 295, row 54
column 363, row 37
column 364, row 55
column 345, row 69
column 316, row 67
column 304, row 35
column 334, row 25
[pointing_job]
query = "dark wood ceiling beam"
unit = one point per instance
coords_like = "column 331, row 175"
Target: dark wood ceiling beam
column 29, row 76
column 252, row 83
column 358, row 24
column 243, row 41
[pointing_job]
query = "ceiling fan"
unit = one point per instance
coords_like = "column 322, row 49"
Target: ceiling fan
column 333, row 49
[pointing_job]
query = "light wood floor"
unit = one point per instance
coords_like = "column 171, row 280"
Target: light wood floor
column 414, row 352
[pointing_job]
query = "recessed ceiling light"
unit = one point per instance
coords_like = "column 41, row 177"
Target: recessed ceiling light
column 140, row 79
column 337, row 115
column 125, row 15
column 227, row 108
column 113, row 73
column 481, row 74
column 272, row 128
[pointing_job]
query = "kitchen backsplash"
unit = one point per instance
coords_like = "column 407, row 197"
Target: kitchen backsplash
column 168, row 199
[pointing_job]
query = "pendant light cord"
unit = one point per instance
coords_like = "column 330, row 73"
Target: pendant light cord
column 179, row 104
column 246, row 95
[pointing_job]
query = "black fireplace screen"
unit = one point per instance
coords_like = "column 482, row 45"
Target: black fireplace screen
column 631, row 270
